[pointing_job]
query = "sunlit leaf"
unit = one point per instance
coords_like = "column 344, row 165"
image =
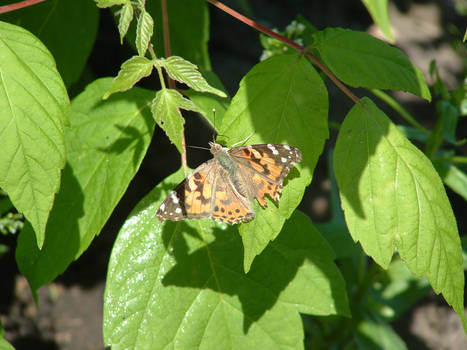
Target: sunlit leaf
column 34, row 108
column 281, row 100
column 144, row 31
column 186, row 72
column 105, row 144
column 165, row 110
column 132, row 71
column 393, row 198
column 360, row 60
column 181, row 284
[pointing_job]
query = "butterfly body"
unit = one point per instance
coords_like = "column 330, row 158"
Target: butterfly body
column 222, row 187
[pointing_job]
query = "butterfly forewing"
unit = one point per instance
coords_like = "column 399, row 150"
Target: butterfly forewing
column 266, row 165
column 192, row 198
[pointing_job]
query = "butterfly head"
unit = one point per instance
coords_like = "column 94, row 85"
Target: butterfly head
column 216, row 148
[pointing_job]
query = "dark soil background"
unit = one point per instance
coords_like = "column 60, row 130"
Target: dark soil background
column 69, row 316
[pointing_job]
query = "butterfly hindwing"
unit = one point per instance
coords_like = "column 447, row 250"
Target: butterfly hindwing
column 230, row 205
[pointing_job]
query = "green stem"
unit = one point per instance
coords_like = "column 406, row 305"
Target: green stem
column 371, row 273
column 453, row 159
column 401, row 110
column 334, row 125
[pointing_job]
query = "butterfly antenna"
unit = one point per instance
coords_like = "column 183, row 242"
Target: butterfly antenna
column 243, row 141
column 215, row 128
column 198, row 147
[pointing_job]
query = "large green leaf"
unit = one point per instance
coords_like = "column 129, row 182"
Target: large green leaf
column 105, row 145
column 181, row 285
column 67, row 27
column 393, row 198
column 360, row 60
column 34, row 107
column 281, row 100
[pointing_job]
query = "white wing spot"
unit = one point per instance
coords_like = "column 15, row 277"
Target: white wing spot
column 171, row 214
column 287, row 147
column 162, row 207
column 178, row 210
column 273, row 149
column 283, row 160
column 174, row 197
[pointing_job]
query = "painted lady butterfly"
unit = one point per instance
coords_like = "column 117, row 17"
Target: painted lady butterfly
column 222, row 187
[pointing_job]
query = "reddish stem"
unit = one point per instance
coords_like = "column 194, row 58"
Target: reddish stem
column 18, row 5
column 286, row 41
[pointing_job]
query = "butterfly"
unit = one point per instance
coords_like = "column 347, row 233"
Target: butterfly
column 221, row 188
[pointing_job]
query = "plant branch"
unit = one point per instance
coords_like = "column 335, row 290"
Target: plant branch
column 167, row 51
column 18, row 5
column 286, row 41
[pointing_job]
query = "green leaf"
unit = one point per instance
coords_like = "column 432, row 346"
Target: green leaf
column 105, row 145
column 412, row 133
column 464, row 251
column 397, row 291
column 144, row 31
column 393, row 198
column 186, row 72
column 449, row 115
column 454, row 177
column 360, row 60
column 165, row 110
column 378, row 10
column 132, row 71
column 191, row 44
column 4, row 345
column 68, row 28
column 109, row 3
column 281, row 100
column 126, row 16
column 213, row 107
column 373, row 333
column 181, row 284
column 34, row 105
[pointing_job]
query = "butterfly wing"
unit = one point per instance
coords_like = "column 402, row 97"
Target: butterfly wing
column 265, row 166
column 230, row 205
column 192, row 198
column 206, row 193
